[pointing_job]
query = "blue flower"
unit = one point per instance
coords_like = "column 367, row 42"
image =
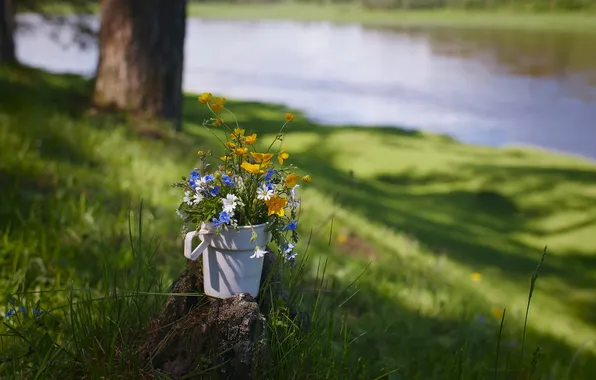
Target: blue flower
column 194, row 176
column 227, row 180
column 224, row 217
column 214, row 190
column 23, row 310
column 10, row 313
column 269, row 175
column 209, row 178
column 267, row 185
column 37, row 311
column 291, row 226
column 288, row 250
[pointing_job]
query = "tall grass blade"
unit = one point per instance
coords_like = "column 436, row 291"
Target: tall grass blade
column 532, row 286
column 499, row 343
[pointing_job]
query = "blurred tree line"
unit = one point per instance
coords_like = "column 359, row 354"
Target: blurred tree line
column 537, row 5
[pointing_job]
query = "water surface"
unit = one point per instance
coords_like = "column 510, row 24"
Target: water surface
column 484, row 87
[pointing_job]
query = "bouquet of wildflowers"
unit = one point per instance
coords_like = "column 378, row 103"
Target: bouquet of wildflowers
column 248, row 188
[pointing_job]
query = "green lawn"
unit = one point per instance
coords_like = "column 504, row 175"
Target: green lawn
column 451, row 234
column 516, row 19
column 493, row 19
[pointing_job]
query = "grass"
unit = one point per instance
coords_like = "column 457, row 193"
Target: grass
column 492, row 19
column 443, row 235
column 502, row 18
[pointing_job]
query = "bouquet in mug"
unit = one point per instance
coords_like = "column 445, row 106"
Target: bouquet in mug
column 248, row 187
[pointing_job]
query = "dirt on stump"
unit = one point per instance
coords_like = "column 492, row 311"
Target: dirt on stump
column 199, row 337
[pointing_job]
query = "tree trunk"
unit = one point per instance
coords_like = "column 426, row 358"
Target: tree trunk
column 227, row 337
column 141, row 57
column 7, row 50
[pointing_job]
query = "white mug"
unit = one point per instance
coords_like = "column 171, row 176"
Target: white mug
column 204, row 235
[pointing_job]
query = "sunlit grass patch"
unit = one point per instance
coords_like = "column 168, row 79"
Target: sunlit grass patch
column 441, row 236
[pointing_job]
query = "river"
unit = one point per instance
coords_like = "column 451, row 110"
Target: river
column 496, row 88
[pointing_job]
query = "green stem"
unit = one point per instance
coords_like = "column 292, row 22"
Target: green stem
column 277, row 137
column 217, row 116
column 211, row 130
column 234, row 116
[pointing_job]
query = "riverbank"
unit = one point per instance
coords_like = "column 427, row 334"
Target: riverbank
column 452, row 233
column 493, row 19
column 584, row 21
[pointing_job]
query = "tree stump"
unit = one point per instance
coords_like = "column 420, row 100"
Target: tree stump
column 210, row 338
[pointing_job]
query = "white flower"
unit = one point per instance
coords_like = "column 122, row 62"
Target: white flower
column 293, row 191
column 264, row 193
column 229, row 203
column 202, row 182
column 187, row 199
column 258, row 253
column 294, row 203
column 289, row 252
column 198, row 198
column 289, row 248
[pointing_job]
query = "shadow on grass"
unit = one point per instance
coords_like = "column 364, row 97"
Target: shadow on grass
column 268, row 118
column 443, row 343
column 36, row 91
column 59, row 199
column 441, row 346
column 478, row 225
column 475, row 227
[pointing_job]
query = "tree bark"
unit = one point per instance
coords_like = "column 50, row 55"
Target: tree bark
column 141, row 57
column 7, row 48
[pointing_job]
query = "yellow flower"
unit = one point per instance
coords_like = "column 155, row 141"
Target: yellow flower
column 291, row 180
column 497, row 312
column 275, row 205
column 306, row 178
column 252, row 168
column 249, row 140
column 237, row 134
column 229, row 172
column 261, row 157
column 224, row 158
column 218, row 105
column 476, row 276
column 281, row 156
column 241, row 151
column 205, row 97
column 218, row 121
column 289, row 117
column 230, row 144
column 200, row 153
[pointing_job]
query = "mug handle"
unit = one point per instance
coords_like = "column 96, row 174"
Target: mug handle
column 191, row 254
